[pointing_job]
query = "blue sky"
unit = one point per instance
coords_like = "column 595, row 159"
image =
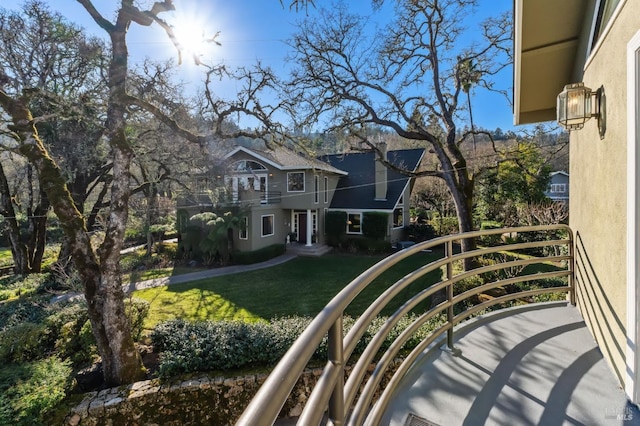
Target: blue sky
column 252, row 30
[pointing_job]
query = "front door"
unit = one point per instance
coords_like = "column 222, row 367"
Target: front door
column 302, row 228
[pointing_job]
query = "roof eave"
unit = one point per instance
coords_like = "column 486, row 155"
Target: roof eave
column 543, row 64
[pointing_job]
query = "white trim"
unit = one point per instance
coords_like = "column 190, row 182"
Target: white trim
column 326, row 189
column 279, row 166
column 354, row 212
column 517, row 59
column 592, row 52
column 253, row 154
column 632, row 381
column 273, row 225
column 246, row 229
column 393, row 225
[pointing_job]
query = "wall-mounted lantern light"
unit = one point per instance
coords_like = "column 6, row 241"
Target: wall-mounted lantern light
column 577, row 104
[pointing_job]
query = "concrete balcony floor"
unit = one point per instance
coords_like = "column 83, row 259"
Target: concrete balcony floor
column 537, row 365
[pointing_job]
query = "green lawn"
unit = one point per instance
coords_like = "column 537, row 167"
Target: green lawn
column 302, row 286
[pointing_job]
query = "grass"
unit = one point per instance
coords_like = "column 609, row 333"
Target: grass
column 302, row 286
column 5, row 257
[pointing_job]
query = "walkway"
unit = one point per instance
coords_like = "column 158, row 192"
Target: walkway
column 209, row 273
column 528, row 366
column 193, row 276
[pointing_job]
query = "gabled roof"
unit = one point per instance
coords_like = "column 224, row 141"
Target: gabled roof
column 357, row 190
column 547, row 41
column 285, row 159
column 561, row 172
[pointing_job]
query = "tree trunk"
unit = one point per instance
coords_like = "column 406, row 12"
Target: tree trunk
column 102, row 287
column 18, row 249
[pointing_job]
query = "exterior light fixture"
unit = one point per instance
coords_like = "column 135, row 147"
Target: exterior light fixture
column 577, row 104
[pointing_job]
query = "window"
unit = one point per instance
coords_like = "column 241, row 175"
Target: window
column 295, row 181
column 604, row 12
column 326, row 189
column 398, row 218
column 267, row 225
column 316, row 189
column 558, row 187
column 247, row 166
column 244, row 229
column 354, row 223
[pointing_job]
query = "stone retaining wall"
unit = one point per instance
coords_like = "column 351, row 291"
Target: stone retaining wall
column 197, row 401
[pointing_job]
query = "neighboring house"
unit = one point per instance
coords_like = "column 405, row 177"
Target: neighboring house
column 558, row 187
column 371, row 186
column 596, row 42
column 284, row 196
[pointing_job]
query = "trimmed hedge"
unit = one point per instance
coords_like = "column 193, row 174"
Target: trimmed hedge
column 335, row 223
column 205, row 346
column 375, row 224
column 256, row 256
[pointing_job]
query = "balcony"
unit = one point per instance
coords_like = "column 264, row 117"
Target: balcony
column 497, row 357
column 251, row 197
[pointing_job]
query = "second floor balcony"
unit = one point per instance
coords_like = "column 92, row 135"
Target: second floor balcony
column 507, row 345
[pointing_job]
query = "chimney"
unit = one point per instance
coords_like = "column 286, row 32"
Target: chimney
column 381, row 172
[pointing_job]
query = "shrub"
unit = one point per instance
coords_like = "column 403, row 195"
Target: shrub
column 445, row 225
column 419, row 232
column 29, row 392
column 69, row 332
column 375, row 225
column 21, row 342
column 261, row 255
column 187, row 347
column 370, row 246
column 136, row 310
column 335, row 227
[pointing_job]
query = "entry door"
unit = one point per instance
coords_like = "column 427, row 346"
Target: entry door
column 302, row 228
column 632, row 380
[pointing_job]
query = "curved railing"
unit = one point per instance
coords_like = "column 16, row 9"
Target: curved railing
column 353, row 402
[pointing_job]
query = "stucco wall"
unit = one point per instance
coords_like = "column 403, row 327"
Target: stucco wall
column 598, row 195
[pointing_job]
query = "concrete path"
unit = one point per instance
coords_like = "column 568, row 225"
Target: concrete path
column 209, row 273
column 194, row 276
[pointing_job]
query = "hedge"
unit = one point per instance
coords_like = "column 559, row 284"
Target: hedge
column 207, row 345
column 375, row 224
column 256, row 256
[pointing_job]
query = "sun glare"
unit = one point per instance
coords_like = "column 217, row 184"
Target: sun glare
column 193, row 35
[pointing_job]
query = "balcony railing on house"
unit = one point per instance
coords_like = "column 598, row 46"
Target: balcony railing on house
column 504, row 258
column 256, row 197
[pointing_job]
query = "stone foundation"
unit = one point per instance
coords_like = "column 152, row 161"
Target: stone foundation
column 202, row 400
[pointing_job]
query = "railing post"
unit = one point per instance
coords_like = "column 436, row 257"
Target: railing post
column 571, row 278
column 336, row 357
column 449, row 254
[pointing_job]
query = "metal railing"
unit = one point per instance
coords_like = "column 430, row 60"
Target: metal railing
column 352, row 402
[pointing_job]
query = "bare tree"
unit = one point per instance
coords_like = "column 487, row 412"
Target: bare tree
column 409, row 79
column 99, row 269
column 54, row 58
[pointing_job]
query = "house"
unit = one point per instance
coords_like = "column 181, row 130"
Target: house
column 371, row 186
column 284, row 196
column 596, row 43
column 558, row 189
